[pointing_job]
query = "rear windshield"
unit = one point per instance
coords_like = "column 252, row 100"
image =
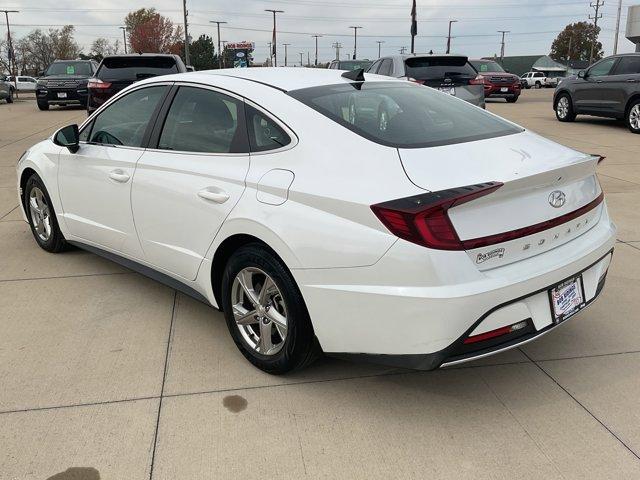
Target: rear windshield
column 354, row 64
column 486, row 66
column 403, row 114
column 69, row 68
column 433, row 68
column 135, row 68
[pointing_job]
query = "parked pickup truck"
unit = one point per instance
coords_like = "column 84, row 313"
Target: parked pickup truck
column 534, row 80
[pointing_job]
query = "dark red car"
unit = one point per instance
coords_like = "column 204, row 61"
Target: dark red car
column 497, row 82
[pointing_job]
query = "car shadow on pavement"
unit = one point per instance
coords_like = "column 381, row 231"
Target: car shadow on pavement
column 77, row 473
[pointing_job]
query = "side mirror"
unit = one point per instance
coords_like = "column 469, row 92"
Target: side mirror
column 68, row 137
column 582, row 74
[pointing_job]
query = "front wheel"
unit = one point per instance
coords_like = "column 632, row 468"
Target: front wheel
column 42, row 217
column 633, row 117
column 43, row 105
column 564, row 109
column 10, row 97
column 265, row 312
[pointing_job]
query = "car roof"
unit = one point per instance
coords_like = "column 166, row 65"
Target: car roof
column 282, row 78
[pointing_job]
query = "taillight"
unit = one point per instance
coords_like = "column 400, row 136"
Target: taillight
column 415, row 80
column 97, row 84
column 423, row 219
column 479, row 80
column 498, row 332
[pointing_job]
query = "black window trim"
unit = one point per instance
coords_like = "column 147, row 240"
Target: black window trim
column 620, row 59
column 90, row 121
column 616, row 60
column 161, row 118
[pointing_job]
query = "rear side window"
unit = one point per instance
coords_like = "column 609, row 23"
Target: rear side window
column 125, row 121
column 431, row 68
column 386, row 67
column 135, row 68
column 628, row 65
column 206, row 121
column 402, row 114
column 264, row 133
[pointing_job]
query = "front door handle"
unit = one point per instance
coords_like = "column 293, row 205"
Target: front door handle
column 119, row 175
column 214, row 195
column 631, row 80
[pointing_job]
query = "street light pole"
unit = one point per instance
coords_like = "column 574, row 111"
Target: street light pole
column 124, row 38
column 301, row 53
column 355, row 41
column 274, row 51
column 219, row 51
column 337, row 46
column 316, row 37
column 615, row 41
column 186, row 33
column 449, row 36
column 379, row 42
column 285, row 52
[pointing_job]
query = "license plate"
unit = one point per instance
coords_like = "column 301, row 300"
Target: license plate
column 449, row 90
column 62, row 94
column 566, row 299
column 504, row 89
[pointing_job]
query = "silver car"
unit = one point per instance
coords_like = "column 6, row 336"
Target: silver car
column 452, row 74
column 5, row 90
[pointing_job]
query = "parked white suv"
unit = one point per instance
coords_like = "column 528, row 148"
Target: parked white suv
column 534, row 79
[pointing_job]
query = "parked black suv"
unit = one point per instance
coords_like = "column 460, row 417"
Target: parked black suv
column 64, row 82
column 119, row 71
column 609, row 88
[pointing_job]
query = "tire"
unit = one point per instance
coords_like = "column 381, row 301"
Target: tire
column 564, row 108
column 10, row 97
column 538, row 85
column 297, row 347
column 513, row 99
column 43, row 105
column 51, row 238
column 633, row 116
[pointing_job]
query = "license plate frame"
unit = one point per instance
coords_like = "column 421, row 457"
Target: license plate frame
column 504, row 89
column 566, row 299
column 62, row 94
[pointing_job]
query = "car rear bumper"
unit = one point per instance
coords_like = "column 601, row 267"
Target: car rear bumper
column 414, row 308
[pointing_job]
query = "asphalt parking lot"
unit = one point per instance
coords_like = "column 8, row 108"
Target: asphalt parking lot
column 105, row 374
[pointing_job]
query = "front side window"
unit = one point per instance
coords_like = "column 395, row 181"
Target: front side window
column 602, row 68
column 201, row 120
column 386, row 67
column 403, row 114
column 125, row 121
column 264, row 133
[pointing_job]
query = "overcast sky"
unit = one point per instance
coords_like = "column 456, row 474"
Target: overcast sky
column 533, row 23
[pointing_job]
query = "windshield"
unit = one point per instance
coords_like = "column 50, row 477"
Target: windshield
column 486, row 66
column 69, row 68
column 135, row 68
column 432, row 68
column 354, row 64
column 403, row 114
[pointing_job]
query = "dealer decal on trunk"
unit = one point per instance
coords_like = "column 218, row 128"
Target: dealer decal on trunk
column 495, row 253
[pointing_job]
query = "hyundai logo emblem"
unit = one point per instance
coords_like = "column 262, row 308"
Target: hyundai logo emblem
column 557, row 198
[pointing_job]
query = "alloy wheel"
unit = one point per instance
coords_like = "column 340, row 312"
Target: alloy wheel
column 40, row 214
column 634, row 117
column 562, row 108
column 259, row 311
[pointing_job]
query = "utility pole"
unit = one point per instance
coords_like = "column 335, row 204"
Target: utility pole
column 186, row 33
column 403, row 50
column 270, row 61
column 124, row 38
column 12, row 54
column 355, row 41
column 503, row 32
column 301, row 53
column 337, row 46
column 569, row 49
column 219, row 51
column 274, row 52
column 285, row 52
column 595, row 18
column 615, row 40
column 449, row 36
column 308, row 59
column 316, row 37
column 379, row 42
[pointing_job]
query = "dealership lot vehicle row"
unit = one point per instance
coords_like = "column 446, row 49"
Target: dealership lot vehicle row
column 107, row 371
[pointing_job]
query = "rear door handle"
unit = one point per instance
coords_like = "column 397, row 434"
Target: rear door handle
column 119, row 175
column 599, row 81
column 631, row 80
column 214, row 194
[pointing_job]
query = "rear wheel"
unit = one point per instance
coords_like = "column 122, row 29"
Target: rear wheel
column 633, row 117
column 265, row 312
column 564, row 109
column 512, row 99
column 538, row 85
column 42, row 217
column 43, row 105
column 10, row 97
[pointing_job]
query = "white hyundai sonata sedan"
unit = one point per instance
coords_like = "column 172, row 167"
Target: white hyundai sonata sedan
column 325, row 212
